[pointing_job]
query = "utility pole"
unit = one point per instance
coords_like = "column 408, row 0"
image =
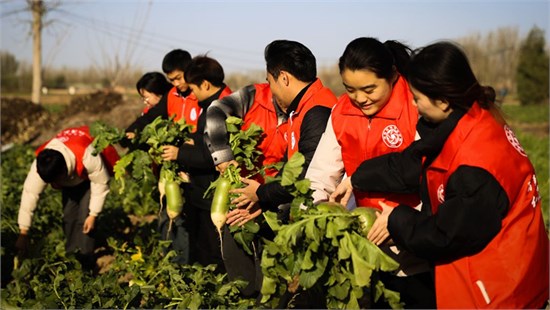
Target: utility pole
column 38, row 9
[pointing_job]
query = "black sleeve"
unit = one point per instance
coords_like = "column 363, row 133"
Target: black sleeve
column 393, row 172
column 195, row 156
column 158, row 110
column 464, row 224
column 216, row 137
column 400, row 172
column 313, row 126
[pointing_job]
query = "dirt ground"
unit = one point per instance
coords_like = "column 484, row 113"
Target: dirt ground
column 24, row 122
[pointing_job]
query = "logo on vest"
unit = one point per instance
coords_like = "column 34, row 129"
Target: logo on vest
column 292, row 140
column 441, row 194
column 392, row 136
column 193, row 114
column 514, row 140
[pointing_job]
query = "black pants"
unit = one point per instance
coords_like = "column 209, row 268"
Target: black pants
column 241, row 265
column 204, row 240
column 76, row 203
column 177, row 233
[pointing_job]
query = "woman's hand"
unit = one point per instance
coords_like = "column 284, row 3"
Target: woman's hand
column 342, row 193
column 242, row 215
column 247, row 197
column 379, row 231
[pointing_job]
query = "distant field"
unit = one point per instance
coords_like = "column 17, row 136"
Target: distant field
column 531, row 126
column 62, row 96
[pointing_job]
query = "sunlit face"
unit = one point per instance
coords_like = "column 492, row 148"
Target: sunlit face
column 200, row 91
column 149, row 99
column 277, row 91
column 433, row 111
column 177, row 79
column 368, row 92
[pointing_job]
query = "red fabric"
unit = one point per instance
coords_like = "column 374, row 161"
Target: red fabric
column 392, row 129
column 263, row 113
column 77, row 140
column 513, row 267
column 316, row 95
column 180, row 107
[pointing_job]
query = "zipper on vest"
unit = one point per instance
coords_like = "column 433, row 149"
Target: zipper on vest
column 481, row 287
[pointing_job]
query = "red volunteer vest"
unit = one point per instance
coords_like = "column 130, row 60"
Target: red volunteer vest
column 392, row 129
column 512, row 270
column 183, row 107
column 77, row 140
column 263, row 113
column 316, row 95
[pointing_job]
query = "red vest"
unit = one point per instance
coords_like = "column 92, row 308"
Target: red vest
column 77, row 140
column 263, row 113
column 183, row 107
column 392, row 129
column 512, row 270
column 316, row 95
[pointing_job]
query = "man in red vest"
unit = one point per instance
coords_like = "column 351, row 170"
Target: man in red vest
column 254, row 104
column 179, row 102
column 292, row 78
column 66, row 162
column 306, row 102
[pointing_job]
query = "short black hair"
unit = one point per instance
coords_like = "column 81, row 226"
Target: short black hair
column 50, row 165
column 290, row 56
column 154, row 82
column 204, row 68
column 177, row 59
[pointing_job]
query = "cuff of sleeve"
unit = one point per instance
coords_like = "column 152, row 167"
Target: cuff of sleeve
column 222, row 156
column 93, row 213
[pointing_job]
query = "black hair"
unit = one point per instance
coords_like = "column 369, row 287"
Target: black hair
column 153, row 82
column 204, row 68
column 441, row 71
column 50, row 165
column 384, row 59
column 177, row 59
column 293, row 57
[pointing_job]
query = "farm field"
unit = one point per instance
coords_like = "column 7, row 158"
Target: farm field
column 133, row 269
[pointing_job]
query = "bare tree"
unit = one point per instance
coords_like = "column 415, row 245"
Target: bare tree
column 38, row 9
column 494, row 57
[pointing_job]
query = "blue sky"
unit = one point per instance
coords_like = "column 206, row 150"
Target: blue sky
column 84, row 33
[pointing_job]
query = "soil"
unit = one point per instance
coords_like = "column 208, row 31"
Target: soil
column 24, row 122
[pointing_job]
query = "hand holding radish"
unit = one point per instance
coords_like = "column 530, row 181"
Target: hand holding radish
column 247, row 195
column 221, row 167
column 379, row 231
column 342, row 193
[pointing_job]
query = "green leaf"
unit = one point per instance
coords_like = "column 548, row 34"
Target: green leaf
column 292, row 169
column 272, row 221
column 308, row 278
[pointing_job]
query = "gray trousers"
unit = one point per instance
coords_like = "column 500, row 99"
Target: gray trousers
column 76, row 201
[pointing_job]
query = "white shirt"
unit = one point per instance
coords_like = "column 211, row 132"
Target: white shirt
column 34, row 185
